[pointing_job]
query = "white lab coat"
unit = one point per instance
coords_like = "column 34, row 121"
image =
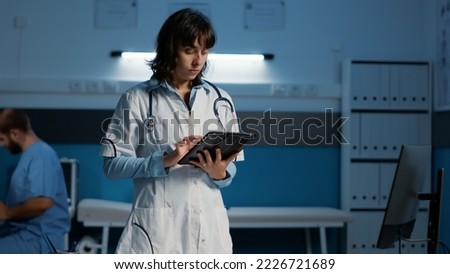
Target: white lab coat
column 175, row 210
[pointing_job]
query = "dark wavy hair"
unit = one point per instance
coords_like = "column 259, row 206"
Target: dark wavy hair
column 183, row 28
column 14, row 119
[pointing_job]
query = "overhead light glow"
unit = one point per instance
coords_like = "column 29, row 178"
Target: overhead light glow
column 236, row 57
column 138, row 55
column 212, row 56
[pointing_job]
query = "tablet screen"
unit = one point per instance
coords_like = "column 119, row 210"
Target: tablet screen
column 228, row 142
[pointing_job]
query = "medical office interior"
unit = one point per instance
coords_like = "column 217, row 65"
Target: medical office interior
column 380, row 63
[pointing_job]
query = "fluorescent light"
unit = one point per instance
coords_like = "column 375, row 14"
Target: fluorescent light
column 239, row 57
column 212, row 56
column 138, row 55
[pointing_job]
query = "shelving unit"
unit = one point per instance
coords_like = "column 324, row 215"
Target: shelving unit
column 388, row 104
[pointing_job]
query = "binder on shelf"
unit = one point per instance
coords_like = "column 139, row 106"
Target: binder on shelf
column 383, row 100
column 365, row 86
column 387, row 172
column 424, row 128
column 388, row 104
column 415, row 87
column 355, row 135
column 394, row 86
column 364, row 185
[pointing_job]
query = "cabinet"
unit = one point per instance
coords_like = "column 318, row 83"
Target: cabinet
column 385, row 104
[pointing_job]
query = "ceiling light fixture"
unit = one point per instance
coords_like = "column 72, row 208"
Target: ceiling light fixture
column 212, row 56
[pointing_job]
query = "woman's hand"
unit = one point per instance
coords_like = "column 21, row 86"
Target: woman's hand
column 181, row 148
column 217, row 168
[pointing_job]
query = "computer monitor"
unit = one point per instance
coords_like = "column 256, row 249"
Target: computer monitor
column 412, row 173
column 434, row 212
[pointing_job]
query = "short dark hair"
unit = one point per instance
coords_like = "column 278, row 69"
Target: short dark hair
column 183, row 28
column 14, row 119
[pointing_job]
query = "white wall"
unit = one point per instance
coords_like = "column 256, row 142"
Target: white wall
column 60, row 46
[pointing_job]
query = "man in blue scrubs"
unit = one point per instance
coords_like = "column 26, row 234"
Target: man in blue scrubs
column 36, row 202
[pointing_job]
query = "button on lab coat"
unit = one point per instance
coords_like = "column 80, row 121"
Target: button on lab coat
column 178, row 209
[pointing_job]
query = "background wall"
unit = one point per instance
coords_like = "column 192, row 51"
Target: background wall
column 61, row 41
column 48, row 46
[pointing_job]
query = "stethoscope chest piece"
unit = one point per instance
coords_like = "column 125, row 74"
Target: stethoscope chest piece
column 149, row 123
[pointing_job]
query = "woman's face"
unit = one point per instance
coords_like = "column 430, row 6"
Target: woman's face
column 190, row 61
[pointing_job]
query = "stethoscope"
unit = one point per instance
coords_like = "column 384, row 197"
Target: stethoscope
column 150, row 122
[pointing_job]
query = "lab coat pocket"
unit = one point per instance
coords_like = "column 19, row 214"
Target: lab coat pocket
column 224, row 230
column 152, row 231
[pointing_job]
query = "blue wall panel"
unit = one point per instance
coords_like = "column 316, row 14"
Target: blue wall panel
column 270, row 176
column 286, row 176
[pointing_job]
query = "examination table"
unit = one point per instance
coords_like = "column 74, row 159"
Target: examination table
column 106, row 214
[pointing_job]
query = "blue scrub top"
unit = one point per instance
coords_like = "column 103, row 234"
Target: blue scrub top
column 39, row 174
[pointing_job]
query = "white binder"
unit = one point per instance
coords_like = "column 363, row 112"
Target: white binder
column 364, row 185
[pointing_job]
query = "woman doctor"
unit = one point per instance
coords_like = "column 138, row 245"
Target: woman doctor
column 176, row 208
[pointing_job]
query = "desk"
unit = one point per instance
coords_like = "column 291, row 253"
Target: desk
column 290, row 217
column 107, row 214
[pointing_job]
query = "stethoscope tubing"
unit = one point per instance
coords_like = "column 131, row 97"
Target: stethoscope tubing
column 150, row 121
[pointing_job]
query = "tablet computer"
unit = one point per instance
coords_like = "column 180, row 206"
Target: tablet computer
column 228, row 142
